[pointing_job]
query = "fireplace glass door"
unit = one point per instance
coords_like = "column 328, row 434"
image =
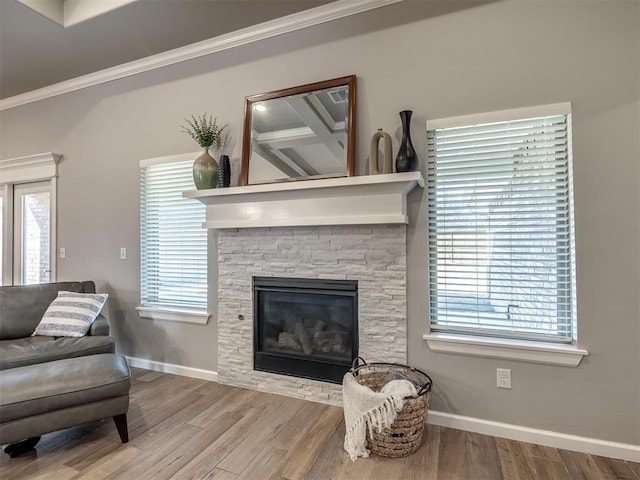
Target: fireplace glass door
column 305, row 327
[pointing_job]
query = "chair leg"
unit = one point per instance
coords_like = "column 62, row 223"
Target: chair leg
column 18, row 448
column 121, row 425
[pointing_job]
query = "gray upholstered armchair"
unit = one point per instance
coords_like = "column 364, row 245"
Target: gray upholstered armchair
column 48, row 383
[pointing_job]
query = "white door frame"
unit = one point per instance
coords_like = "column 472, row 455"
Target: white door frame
column 6, row 248
column 42, row 167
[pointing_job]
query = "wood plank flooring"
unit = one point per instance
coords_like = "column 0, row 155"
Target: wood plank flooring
column 182, row 428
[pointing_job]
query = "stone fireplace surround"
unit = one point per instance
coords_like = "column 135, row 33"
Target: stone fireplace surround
column 373, row 255
column 350, row 228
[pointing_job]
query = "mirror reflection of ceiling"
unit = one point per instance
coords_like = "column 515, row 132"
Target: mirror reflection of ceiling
column 299, row 137
column 36, row 52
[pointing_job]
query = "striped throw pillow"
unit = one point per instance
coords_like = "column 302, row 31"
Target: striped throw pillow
column 70, row 314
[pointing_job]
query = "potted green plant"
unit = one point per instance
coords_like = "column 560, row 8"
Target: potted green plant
column 206, row 132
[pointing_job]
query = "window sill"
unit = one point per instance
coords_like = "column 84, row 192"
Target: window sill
column 199, row 317
column 536, row 352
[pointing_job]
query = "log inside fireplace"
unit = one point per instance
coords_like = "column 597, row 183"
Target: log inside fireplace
column 305, row 327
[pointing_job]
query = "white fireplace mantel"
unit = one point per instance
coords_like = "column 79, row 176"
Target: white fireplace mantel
column 363, row 200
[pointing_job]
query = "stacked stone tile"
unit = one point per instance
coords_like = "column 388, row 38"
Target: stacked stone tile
column 374, row 255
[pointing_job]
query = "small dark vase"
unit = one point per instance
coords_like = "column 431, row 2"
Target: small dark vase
column 224, row 171
column 407, row 158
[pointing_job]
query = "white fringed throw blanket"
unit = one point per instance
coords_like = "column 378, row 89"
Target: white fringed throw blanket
column 365, row 409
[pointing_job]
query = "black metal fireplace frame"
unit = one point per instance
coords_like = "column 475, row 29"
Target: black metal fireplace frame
column 314, row 369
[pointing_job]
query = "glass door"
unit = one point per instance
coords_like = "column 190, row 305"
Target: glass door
column 32, row 243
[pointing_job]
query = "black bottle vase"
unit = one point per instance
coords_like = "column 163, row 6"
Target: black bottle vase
column 224, row 171
column 407, row 158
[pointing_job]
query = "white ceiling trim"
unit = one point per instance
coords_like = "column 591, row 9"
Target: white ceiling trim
column 290, row 23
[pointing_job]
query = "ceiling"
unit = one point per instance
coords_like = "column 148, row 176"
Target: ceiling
column 36, row 52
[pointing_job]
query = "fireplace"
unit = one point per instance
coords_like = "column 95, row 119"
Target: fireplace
column 305, row 327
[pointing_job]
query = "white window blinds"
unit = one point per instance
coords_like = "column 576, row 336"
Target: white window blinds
column 173, row 242
column 501, row 249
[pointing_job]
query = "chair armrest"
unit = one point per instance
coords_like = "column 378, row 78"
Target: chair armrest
column 100, row 326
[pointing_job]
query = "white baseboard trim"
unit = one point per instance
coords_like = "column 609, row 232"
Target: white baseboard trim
column 605, row 448
column 594, row 446
column 174, row 369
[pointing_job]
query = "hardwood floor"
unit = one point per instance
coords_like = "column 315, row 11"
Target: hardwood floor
column 181, row 428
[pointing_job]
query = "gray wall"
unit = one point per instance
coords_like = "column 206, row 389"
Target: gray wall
column 439, row 59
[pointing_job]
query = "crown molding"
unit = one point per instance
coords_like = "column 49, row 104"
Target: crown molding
column 297, row 21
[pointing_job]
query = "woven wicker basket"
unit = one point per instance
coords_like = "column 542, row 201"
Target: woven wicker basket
column 404, row 436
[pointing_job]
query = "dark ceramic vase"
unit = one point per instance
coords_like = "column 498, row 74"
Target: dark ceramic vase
column 224, row 171
column 407, row 159
column 205, row 171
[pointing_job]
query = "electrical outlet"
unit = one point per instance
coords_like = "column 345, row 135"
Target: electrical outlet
column 503, row 378
column 123, row 253
column 63, row 252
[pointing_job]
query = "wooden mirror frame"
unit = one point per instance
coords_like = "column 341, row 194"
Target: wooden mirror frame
column 349, row 81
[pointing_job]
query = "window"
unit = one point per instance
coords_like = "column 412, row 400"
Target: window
column 173, row 243
column 500, row 226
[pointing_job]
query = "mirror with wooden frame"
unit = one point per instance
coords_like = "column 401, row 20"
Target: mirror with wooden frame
column 300, row 133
